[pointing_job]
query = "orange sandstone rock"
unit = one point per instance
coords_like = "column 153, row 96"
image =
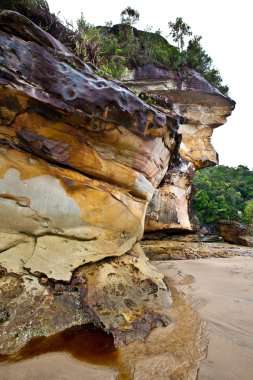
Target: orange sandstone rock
column 202, row 108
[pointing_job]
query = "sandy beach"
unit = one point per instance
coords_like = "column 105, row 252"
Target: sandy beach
column 222, row 291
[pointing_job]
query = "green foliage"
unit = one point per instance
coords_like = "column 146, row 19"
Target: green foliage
column 109, row 45
column 129, row 16
column 199, row 60
column 88, row 43
column 129, row 44
column 248, row 212
column 112, row 50
column 155, row 48
column 223, row 193
column 114, row 68
column 147, row 98
column 179, row 30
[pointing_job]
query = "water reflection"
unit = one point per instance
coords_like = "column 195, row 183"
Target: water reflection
column 85, row 343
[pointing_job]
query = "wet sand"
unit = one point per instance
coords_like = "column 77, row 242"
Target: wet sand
column 55, row 366
column 222, row 291
column 82, row 352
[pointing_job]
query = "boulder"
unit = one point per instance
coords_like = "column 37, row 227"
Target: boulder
column 235, row 232
column 125, row 296
column 32, row 307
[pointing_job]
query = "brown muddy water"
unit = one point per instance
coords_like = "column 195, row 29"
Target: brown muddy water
column 85, row 343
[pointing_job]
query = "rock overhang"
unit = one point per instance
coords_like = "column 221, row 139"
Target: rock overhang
column 201, row 108
column 85, row 153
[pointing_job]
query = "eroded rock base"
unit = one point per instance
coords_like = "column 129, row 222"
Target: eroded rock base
column 173, row 352
column 125, row 296
column 184, row 250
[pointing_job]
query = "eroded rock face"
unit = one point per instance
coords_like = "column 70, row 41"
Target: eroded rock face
column 29, row 308
column 75, row 219
column 202, row 108
column 169, row 206
column 126, row 295
column 80, row 158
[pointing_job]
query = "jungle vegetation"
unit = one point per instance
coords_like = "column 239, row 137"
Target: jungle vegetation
column 224, row 193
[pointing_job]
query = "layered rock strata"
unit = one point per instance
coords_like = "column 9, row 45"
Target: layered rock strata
column 202, row 108
column 80, row 158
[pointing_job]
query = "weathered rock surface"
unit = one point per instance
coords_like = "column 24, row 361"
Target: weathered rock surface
column 235, row 232
column 80, row 158
column 29, row 309
column 202, row 108
column 169, row 207
column 75, row 219
column 174, row 351
column 246, row 240
column 124, row 296
column 184, row 250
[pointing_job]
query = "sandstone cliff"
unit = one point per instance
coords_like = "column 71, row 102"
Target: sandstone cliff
column 81, row 157
column 201, row 108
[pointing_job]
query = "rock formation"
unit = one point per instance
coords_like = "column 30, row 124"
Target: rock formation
column 235, row 232
column 80, row 159
column 202, row 108
column 182, row 248
column 80, row 156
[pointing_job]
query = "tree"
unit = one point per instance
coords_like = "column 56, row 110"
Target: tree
column 223, row 193
column 129, row 16
column 199, row 60
column 248, row 212
column 179, row 30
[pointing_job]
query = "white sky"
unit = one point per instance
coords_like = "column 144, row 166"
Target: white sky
column 226, row 29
